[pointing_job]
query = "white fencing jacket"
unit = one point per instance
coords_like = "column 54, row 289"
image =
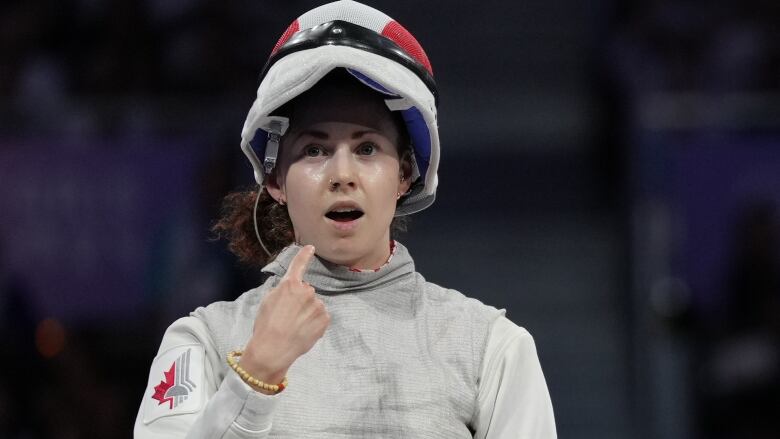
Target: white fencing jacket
column 402, row 357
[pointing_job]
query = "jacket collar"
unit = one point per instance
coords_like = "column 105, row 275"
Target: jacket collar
column 329, row 278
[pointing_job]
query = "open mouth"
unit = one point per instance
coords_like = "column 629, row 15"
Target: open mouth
column 344, row 215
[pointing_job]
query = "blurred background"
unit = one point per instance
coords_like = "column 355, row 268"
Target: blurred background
column 610, row 176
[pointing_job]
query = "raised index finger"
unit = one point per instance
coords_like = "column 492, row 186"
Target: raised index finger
column 299, row 263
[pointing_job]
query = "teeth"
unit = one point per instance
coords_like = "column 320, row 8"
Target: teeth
column 343, row 210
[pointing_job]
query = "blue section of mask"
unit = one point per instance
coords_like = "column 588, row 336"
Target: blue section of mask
column 370, row 82
column 420, row 136
column 258, row 144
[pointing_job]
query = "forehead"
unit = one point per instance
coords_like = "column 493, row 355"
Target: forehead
column 342, row 101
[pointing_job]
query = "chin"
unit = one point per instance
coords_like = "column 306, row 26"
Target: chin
column 340, row 252
column 343, row 251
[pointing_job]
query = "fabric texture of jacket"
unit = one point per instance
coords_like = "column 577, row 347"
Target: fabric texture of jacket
column 402, row 357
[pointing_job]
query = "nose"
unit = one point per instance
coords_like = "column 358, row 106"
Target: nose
column 343, row 174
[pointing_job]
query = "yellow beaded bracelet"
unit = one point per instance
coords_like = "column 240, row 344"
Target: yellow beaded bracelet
column 249, row 379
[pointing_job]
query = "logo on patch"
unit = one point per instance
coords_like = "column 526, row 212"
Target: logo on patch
column 177, row 384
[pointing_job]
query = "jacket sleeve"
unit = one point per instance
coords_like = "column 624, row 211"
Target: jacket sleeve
column 185, row 397
column 513, row 400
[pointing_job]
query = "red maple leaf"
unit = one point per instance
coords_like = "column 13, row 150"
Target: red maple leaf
column 160, row 389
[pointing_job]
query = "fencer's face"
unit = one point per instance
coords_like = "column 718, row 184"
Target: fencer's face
column 340, row 175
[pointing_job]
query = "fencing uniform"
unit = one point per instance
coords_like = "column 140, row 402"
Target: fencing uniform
column 402, row 357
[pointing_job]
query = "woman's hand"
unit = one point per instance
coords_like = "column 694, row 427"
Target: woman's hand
column 291, row 318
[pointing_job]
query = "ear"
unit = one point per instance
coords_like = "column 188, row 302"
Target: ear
column 274, row 188
column 405, row 180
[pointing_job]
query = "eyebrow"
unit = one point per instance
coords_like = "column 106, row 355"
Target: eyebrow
column 322, row 135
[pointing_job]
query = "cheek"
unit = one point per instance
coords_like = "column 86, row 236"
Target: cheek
column 383, row 177
column 302, row 189
column 303, row 181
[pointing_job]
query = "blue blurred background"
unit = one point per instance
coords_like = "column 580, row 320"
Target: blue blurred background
column 610, row 176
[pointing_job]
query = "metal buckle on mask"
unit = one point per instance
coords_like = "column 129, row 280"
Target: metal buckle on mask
column 272, row 146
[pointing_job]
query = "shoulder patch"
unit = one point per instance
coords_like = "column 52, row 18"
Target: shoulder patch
column 175, row 383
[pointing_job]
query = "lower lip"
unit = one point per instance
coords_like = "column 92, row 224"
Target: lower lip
column 344, row 226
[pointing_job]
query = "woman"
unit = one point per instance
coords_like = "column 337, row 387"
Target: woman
column 344, row 339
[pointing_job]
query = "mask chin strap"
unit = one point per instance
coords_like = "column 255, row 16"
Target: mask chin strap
column 272, row 146
column 254, row 219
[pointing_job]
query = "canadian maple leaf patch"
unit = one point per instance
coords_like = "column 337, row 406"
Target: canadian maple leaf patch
column 178, row 372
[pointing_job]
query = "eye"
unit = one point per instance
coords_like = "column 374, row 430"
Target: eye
column 313, row 150
column 366, row 149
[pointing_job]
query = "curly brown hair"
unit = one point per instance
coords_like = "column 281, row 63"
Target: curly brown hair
column 237, row 227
